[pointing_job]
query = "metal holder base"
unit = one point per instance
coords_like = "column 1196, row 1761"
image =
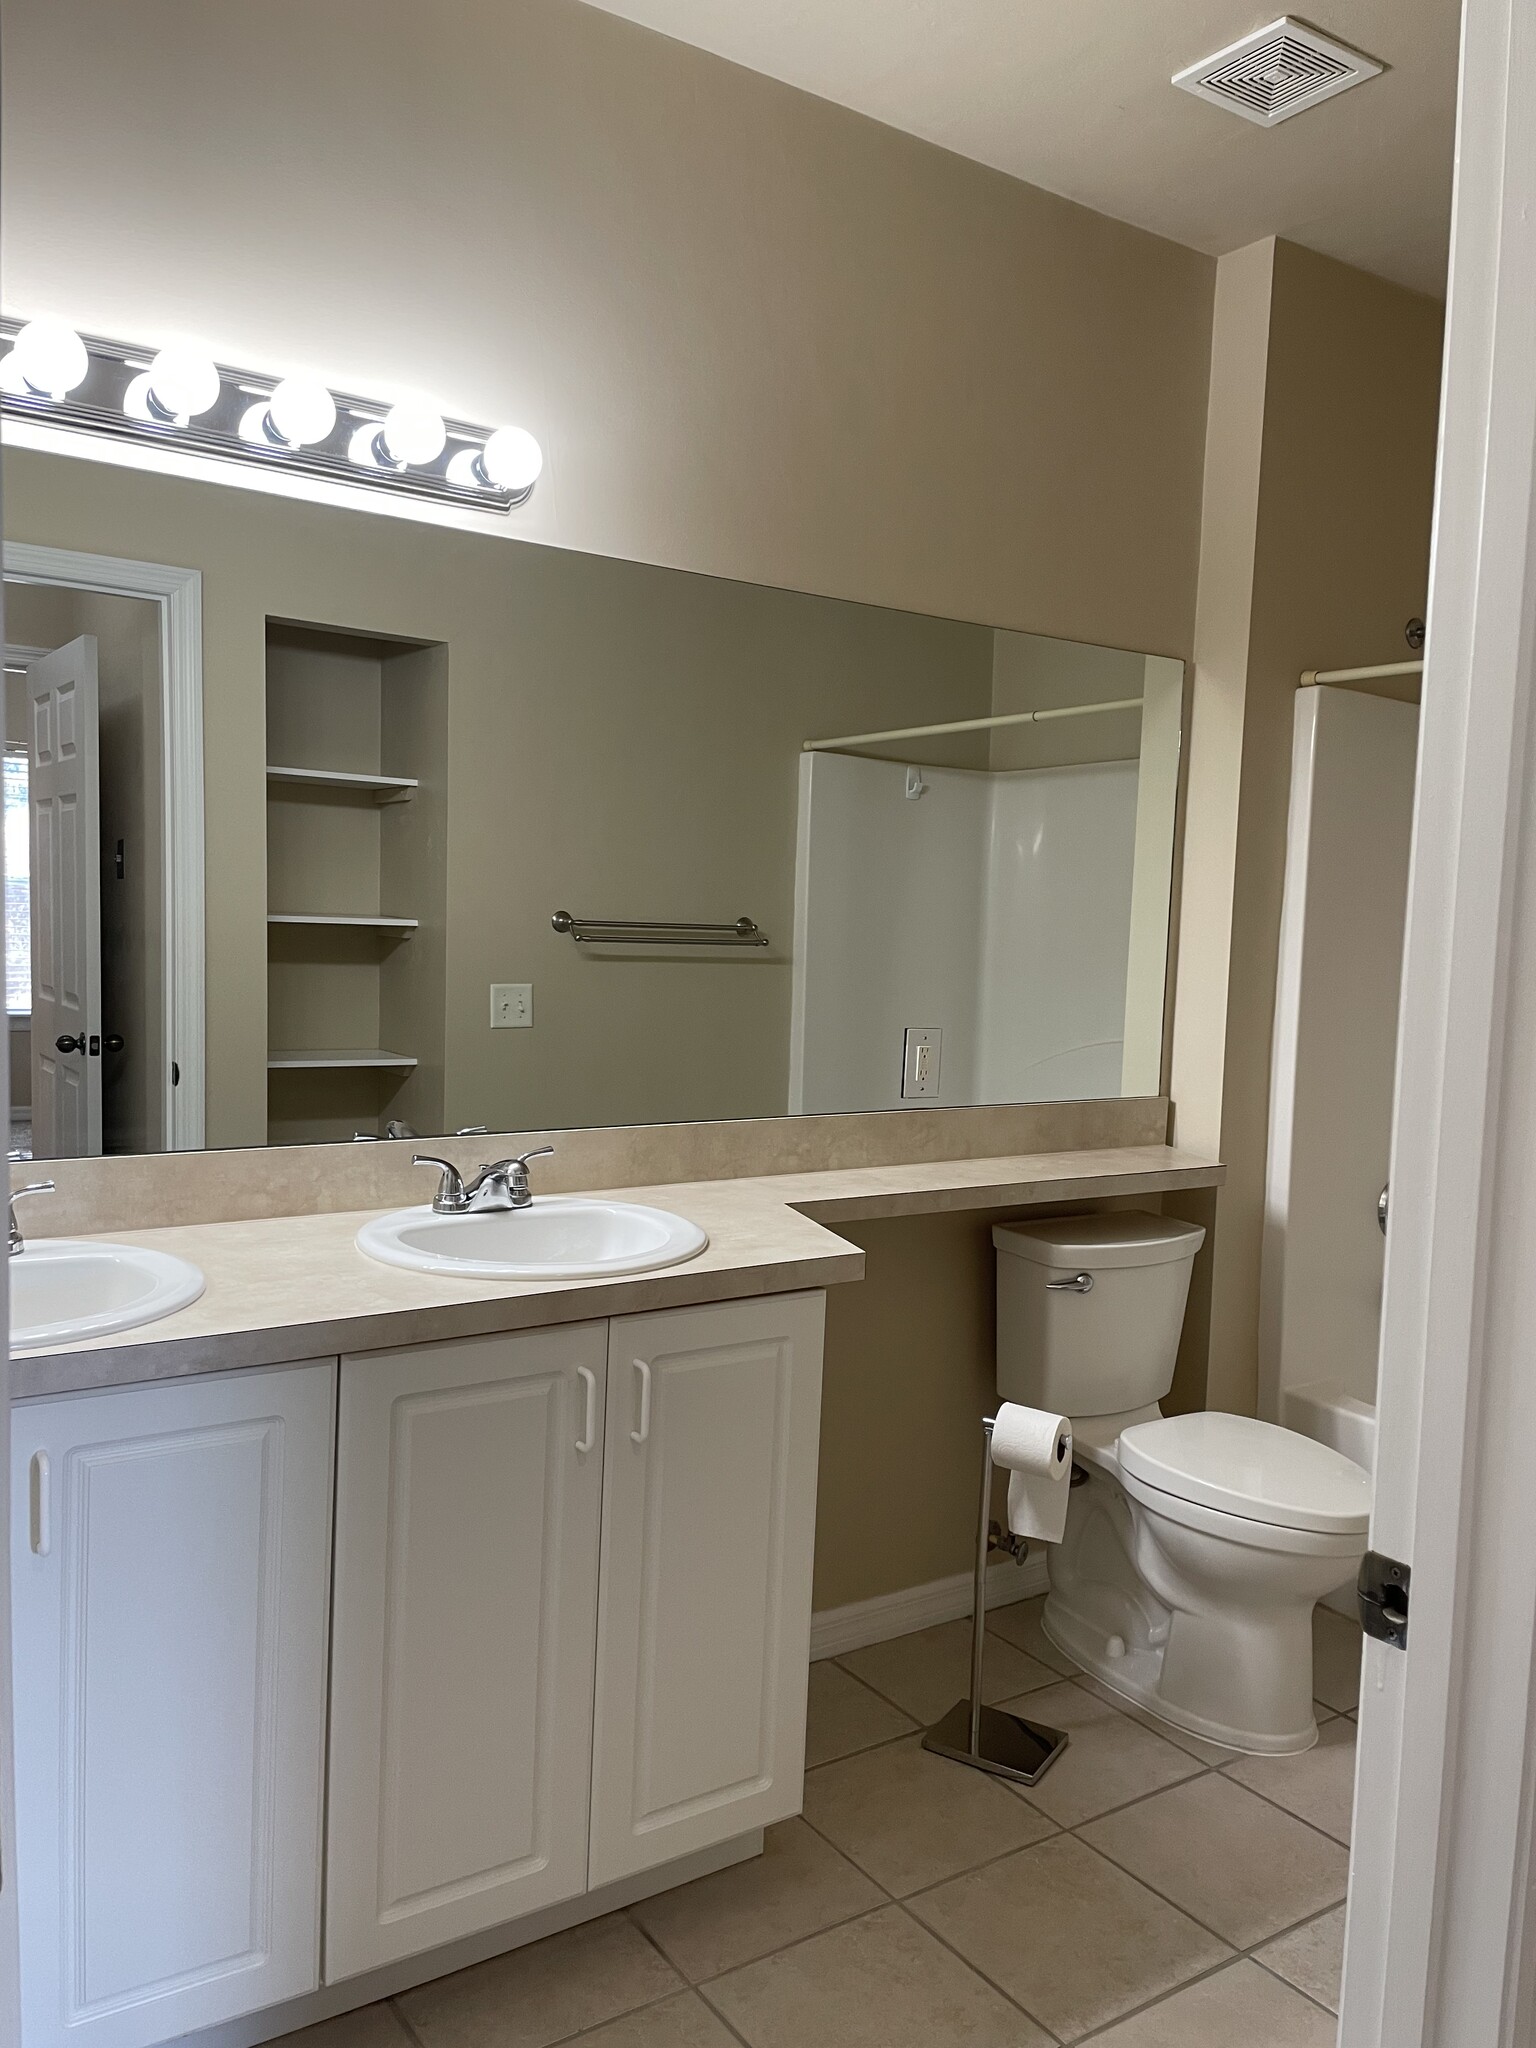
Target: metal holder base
column 1004, row 1745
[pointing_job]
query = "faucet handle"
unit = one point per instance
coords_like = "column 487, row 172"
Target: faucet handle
column 522, row 1158
column 38, row 1187
column 450, row 1195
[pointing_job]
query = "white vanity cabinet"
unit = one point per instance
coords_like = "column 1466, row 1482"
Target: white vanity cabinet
column 469, row 1490
column 709, row 1523
column 170, row 1568
column 564, row 1605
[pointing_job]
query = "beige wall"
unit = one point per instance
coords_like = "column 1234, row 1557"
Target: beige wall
column 758, row 335
column 1319, row 478
column 1031, row 673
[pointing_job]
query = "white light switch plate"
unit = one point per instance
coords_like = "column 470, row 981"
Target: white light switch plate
column 511, row 1005
column 921, row 1046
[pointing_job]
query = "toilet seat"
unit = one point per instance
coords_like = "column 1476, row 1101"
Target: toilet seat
column 1235, row 1467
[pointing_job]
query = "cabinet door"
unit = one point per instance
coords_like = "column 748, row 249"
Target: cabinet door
column 469, row 1487
column 170, row 1567
column 709, row 1517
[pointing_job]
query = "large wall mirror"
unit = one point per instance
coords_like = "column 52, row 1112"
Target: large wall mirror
column 325, row 825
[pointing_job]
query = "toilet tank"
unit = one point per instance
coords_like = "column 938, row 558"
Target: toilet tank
column 1109, row 1345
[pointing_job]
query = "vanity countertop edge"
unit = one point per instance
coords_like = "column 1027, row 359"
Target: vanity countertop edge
column 290, row 1288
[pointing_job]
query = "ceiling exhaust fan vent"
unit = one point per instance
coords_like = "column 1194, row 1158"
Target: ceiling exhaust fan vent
column 1277, row 72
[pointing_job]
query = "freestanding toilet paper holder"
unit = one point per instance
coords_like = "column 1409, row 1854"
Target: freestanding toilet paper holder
column 989, row 1740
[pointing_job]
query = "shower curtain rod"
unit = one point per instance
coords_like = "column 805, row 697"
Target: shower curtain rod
column 1360, row 675
column 922, row 732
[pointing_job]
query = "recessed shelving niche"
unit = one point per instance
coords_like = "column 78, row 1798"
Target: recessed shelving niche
column 356, row 882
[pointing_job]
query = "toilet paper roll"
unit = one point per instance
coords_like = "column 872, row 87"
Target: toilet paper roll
column 1035, row 1449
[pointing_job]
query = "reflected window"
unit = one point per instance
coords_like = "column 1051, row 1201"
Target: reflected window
column 18, row 887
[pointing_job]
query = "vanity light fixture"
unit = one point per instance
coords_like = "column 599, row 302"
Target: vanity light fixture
column 182, row 397
column 179, row 386
column 510, row 461
column 298, row 413
column 48, row 361
column 409, row 436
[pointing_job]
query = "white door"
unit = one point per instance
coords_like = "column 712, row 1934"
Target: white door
column 469, row 1485
column 1440, row 1947
column 66, row 903
column 170, row 1558
column 709, row 1525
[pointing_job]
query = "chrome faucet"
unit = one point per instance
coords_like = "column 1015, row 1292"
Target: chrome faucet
column 501, row 1185
column 39, row 1187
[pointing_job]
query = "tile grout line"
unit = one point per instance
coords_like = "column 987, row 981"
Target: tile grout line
column 1301, row 1992
column 1162, row 1998
column 406, row 2027
column 975, row 1968
column 987, row 1862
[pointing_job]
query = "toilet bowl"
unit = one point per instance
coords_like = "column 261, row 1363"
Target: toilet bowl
column 1196, row 1546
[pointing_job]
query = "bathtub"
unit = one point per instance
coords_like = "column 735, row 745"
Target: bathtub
column 1326, row 1412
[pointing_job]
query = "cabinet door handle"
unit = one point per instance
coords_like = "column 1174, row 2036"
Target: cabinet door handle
column 42, row 1503
column 588, row 1437
column 638, row 1436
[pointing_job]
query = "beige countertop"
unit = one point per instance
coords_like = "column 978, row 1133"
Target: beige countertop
column 286, row 1288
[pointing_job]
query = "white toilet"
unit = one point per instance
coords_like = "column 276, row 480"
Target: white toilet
column 1196, row 1546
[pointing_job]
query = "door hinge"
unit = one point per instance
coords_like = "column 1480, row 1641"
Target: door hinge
column 1382, row 1594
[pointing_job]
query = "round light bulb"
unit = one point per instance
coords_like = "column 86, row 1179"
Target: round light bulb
column 301, row 412
column 48, row 360
column 413, row 433
column 512, row 459
column 184, row 382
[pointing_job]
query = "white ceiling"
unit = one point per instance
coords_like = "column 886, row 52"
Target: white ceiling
column 1074, row 95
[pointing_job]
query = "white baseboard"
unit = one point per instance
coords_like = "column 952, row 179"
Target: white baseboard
column 839, row 1629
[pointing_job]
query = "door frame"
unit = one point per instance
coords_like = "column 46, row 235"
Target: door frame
column 178, row 595
column 1440, row 1949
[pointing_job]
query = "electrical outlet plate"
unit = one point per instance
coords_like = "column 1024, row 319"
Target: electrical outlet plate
column 921, row 1046
column 511, row 1005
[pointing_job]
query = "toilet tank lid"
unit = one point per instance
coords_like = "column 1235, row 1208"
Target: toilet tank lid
column 1123, row 1237
column 1249, row 1468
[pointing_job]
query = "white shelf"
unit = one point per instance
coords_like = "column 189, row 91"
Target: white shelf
column 294, row 1062
column 385, row 787
column 326, row 917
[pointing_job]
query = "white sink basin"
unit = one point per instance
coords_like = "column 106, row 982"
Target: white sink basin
column 559, row 1237
column 62, row 1290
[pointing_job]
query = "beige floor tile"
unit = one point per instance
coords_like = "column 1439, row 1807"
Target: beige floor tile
column 798, row 1886
column 1076, row 1941
column 881, row 1982
column 844, row 1716
column 371, row 2026
column 1192, row 1745
column 1335, row 1659
column 1319, row 1785
column 1240, row 2007
column 1311, row 1957
column 924, row 1674
column 544, row 1992
column 910, row 1818
column 1109, row 1759
column 1228, row 1857
column 1019, row 1624
column 682, row 2022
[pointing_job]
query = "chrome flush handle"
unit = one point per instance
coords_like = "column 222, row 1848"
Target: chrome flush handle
column 1080, row 1283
